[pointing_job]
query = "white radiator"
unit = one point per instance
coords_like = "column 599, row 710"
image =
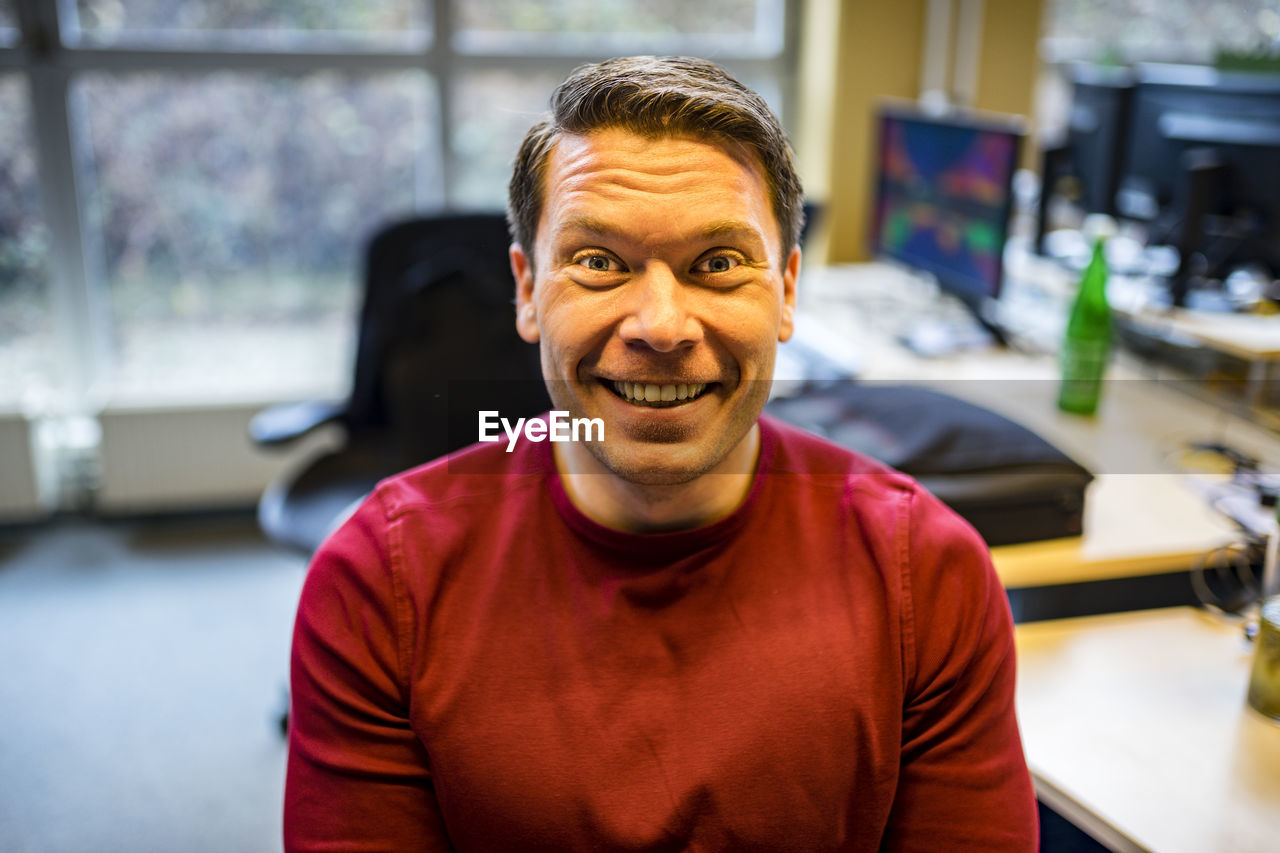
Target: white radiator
column 156, row 459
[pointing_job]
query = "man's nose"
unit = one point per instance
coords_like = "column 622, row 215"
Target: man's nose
column 659, row 314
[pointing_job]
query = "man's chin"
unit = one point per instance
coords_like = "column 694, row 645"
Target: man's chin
column 654, row 466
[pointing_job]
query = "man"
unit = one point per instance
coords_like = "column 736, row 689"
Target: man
column 706, row 631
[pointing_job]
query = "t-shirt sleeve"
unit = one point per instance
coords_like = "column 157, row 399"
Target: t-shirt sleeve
column 358, row 776
column 964, row 783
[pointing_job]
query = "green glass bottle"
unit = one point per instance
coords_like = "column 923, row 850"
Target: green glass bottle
column 1087, row 343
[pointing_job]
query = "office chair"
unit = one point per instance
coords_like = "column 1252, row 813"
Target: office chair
column 436, row 343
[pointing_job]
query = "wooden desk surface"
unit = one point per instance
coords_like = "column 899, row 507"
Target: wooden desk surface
column 1136, row 728
column 1251, row 337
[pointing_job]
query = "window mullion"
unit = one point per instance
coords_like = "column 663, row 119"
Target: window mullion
column 441, row 63
column 203, row 59
column 79, row 310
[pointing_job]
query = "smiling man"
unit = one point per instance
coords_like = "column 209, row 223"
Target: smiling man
column 706, row 631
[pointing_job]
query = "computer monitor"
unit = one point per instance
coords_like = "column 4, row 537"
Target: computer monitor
column 944, row 196
column 1203, row 165
column 1165, row 95
column 1097, row 130
column 1091, row 151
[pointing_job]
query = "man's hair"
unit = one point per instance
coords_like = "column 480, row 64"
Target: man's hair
column 657, row 96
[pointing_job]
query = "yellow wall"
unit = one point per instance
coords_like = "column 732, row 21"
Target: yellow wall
column 1007, row 76
column 872, row 49
column 1010, row 55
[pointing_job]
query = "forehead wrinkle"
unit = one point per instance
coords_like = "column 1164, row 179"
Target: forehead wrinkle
column 580, row 159
column 629, row 142
column 614, row 181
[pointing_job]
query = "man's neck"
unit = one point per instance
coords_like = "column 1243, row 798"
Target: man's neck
column 614, row 502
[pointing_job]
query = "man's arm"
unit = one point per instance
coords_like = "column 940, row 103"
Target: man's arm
column 358, row 777
column 964, row 783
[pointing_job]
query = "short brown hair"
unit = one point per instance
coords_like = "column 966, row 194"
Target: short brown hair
column 657, row 96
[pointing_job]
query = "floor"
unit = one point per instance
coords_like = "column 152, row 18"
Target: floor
column 144, row 666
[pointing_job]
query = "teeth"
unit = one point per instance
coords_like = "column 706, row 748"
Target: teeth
column 647, row 393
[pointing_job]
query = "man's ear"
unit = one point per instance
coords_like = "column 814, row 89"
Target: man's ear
column 526, row 313
column 790, row 274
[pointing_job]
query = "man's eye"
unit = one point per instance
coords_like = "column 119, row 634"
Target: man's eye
column 716, row 263
column 598, row 263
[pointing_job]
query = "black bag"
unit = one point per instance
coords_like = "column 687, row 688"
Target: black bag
column 1008, row 482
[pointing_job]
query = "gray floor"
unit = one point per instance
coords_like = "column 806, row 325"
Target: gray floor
column 141, row 668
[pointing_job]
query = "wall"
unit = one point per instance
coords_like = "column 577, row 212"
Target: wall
column 1010, row 71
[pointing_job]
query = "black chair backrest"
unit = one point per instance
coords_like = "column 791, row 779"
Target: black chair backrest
column 437, row 338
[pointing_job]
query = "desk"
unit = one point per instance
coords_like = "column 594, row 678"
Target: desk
column 1136, row 729
column 1251, row 338
column 1141, row 518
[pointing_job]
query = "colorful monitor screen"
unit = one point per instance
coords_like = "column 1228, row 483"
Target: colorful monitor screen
column 944, row 196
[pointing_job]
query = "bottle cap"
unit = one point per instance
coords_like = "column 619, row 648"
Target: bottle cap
column 1098, row 226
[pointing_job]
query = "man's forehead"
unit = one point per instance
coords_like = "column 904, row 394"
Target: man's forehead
column 579, row 165
column 621, row 143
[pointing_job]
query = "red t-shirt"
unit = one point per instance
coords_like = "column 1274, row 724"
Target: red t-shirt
column 479, row 666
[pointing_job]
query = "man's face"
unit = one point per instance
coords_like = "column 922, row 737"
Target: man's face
column 658, row 276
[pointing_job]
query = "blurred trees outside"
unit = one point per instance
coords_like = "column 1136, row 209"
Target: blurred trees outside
column 611, row 16
column 1122, row 31
column 105, row 19
column 246, row 196
column 23, row 236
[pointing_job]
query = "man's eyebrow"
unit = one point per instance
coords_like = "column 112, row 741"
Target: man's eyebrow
column 731, row 228
column 597, row 226
column 591, row 225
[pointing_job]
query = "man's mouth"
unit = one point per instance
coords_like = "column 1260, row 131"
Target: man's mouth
column 657, row 396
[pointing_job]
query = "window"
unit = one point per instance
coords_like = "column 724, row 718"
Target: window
column 279, row 25
column 26, row 329
column 231, row 207
column 709, row 28
column 1122, row 31
column 492, row 109
column 222, row 162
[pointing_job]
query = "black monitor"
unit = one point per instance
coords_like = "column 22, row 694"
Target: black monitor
column 1164, row 98
column 1203, row 164
column 1097, row 131
column 944, row 196
column 1085, row 164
